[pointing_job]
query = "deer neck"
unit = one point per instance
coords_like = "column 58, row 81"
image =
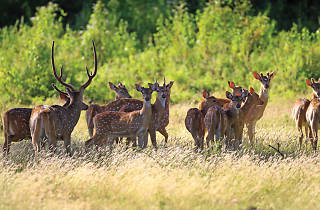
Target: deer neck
column 264, row 95
column 158, row 107
column 146, row 112
column 247, row 105
column 74, row 112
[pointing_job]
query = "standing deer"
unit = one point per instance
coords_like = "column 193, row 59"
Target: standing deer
column 16, row 123
column 231, row 115
column 108, row 125
column 196, row 123
column 121, row 92
column 58, row 122
column 305, row 113
column 256, row 112
column 253, row 99
column 313, row 119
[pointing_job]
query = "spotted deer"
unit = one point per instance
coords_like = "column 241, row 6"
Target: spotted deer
column 110, row 124
column 256, row 112
column 57, row 122
column 121, row 92
column 159, row 110
column 16, row 123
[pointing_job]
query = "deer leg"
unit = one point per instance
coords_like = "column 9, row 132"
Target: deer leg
column 6, row 144
column 153, row 137
column 314, row 129
column 209, row 137
column 300, row 135
column 164, row 133
column 251, row 128
column 35, row 135
column 67, row 144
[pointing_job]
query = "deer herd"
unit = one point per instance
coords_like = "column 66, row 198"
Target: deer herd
column 222, row 118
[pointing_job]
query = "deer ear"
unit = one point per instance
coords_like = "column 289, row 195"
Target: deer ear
column 309, row 83
column 112, row 86
column 251, row 90
column 63, row 97
column 138, row 87
column 271, row 75
column 120, row 84
column 205, row 94
column 170, row 84
column 228, row 95
column 231, row 84
column 256, row 75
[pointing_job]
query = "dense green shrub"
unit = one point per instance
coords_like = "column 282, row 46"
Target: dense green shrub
column 197, row 51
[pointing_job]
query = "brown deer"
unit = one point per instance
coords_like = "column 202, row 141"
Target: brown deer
column 253, row 99
column 195, row 123
column 194, row 120
column 305, row 113
column 121, row 92
column 58, row 122
column 231, row 115
column 110, row 124
column 16, row 123
column 256, row 112
column 313, row 119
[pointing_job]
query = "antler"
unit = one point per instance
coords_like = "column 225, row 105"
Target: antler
column 59, row 78
column 91, row 76
column 57, row 89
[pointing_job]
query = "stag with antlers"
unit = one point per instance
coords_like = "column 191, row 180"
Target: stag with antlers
column 58, row 122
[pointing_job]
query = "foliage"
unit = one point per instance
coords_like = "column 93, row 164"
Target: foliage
column 201, row 50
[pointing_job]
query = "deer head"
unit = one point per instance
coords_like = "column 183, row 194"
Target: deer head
column 315, row 87
column 264, row 80
column 236, row 99
column 146, row 93
column 121, row 90
column 76, row 96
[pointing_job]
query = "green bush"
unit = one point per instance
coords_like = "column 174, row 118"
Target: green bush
column 198, row 51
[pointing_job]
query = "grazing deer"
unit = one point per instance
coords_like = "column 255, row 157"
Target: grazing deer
column 121, row 92
column 256, row 112
column 110, row 124
column 58, row 122
column 16, row 123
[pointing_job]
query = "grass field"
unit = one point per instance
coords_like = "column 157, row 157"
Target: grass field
column 173, row 177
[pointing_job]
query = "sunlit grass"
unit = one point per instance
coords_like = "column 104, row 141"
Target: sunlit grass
column 173, row 177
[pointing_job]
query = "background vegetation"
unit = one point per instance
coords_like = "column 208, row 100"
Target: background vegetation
column 198, row 45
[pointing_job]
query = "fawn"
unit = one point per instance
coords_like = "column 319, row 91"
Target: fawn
column 120, row 124
column 121, row 92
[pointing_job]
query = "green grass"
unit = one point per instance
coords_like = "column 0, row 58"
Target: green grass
column 173, row 177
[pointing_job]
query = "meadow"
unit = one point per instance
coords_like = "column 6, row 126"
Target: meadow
column 218, row 42
column 173, row 177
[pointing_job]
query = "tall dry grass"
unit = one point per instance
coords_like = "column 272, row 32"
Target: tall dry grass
column 173, row 177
